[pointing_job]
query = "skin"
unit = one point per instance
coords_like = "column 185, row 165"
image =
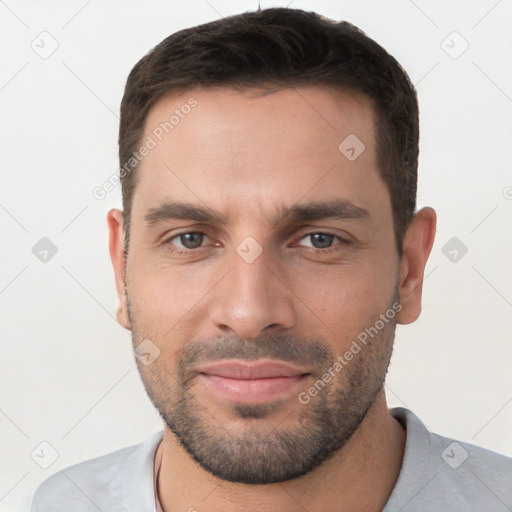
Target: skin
column 246, row 155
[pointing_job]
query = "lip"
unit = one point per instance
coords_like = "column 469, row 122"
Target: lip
column 259, row 370
column 251, row 382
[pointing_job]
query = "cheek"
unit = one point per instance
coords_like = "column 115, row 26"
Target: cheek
column 348, row 298
column 164, row 299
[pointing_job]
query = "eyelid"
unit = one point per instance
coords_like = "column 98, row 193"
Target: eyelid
column 168, row 239
column 341, row 239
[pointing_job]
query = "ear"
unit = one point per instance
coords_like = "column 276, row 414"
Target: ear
column 418, row 242
column 116, row 248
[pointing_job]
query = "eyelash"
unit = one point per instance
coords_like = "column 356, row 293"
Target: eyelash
column 328, row 250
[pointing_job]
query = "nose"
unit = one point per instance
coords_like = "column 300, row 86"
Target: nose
column 251, row 298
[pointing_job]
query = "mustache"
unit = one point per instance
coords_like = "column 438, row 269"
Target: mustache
column 294, row 350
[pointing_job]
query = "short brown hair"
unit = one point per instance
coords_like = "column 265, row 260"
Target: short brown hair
column 282, row 47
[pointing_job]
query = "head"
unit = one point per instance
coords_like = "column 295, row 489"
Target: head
column 271, row 216
column 280, row 48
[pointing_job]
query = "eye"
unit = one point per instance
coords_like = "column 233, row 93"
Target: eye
column 189, row 240
column 192, row 240
column 323, row 241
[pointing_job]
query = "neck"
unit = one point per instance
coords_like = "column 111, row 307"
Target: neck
column 360, row 476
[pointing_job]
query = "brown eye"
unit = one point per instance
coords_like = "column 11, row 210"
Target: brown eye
column 191, row 240
column 321, row 240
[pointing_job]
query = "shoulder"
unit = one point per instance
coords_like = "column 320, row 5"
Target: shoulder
column 100, row 483
column 439, row 473
column 474, row 473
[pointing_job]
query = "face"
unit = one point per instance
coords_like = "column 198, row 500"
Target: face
column 261, row 254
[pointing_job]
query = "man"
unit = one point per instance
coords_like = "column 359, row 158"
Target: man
column 267, row 248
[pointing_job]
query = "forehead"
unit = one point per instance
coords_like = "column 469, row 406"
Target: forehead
column 308, row 112
column 224, row 147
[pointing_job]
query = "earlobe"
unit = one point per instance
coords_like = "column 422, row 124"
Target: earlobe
column 116, row 249
column 418, row 242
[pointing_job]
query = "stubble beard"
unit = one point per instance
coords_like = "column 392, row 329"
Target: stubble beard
column 255, row 448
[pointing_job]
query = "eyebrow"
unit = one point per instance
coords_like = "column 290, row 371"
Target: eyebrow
column 312, row 211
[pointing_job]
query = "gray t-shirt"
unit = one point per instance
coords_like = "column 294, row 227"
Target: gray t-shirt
column 437, row 475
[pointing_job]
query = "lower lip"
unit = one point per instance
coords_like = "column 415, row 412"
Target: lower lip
column 252, row 390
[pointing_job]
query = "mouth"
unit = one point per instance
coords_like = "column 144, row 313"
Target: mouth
column 255, row 382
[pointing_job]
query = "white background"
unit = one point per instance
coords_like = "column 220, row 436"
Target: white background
column 67, row 372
